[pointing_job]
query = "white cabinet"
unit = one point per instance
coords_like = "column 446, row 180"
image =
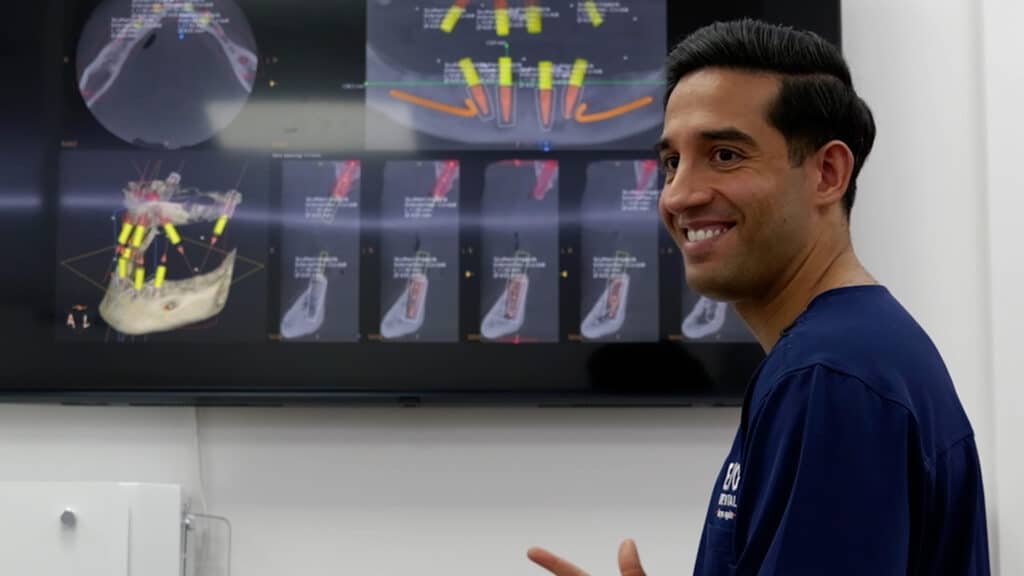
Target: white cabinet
column 90, row 529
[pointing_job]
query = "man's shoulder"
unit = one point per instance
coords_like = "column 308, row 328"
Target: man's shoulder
column 864, row 337
column 863, row 332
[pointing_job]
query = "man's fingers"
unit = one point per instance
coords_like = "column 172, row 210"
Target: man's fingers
column 629, row 560
column 554, row 564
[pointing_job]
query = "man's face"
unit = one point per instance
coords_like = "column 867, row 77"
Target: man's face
column 736, row 207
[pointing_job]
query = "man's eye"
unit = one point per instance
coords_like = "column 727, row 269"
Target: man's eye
column 670, row 163
column 726, row 155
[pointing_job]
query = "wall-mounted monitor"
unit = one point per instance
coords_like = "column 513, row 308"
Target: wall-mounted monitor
column 271, row 201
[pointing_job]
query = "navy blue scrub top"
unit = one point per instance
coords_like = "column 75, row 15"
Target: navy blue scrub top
column 853, row 456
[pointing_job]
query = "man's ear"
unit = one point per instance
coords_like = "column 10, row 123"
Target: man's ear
column 833, row 165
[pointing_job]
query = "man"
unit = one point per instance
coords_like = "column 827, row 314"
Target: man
column 853, row 455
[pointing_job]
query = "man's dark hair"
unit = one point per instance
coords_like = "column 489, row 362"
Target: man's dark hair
column 816, row 101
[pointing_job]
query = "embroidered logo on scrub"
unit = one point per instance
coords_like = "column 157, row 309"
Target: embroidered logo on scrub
column 727, row 498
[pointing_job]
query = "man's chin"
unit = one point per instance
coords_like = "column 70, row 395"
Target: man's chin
column 715, row 288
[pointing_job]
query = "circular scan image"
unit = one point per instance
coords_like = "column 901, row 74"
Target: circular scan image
column 166, row 74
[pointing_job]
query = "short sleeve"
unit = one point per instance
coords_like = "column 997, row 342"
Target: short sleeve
column 825, row 486
column 958, row 543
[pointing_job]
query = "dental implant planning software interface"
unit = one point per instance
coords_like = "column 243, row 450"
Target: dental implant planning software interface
column 168, row 232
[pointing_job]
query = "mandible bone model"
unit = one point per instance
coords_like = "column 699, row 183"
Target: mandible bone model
column 135, row 305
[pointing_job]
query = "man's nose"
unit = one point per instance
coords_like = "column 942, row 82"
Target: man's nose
column 685, row 190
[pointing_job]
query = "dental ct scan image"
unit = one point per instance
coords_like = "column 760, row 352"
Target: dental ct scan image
column 420, row 253
column 166, row 74
column 520, row 252
column 320, row 250
column 548, row 74
column 620, row 252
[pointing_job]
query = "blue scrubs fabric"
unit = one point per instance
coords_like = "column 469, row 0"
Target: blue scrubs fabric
column 853, row 456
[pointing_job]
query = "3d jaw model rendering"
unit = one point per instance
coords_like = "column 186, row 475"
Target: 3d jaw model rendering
column 609, row 312
column 406, row 315
column 161, row 307
column 706, row 318
column 135, row 305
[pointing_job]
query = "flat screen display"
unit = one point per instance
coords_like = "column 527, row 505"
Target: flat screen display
column 270, row 201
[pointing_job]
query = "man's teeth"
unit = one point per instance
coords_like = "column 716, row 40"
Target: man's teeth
column 703, row 234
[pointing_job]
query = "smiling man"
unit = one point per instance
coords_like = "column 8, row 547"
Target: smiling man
column 853, row 454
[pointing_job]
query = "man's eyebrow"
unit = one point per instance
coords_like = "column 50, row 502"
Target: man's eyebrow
column 729, row 134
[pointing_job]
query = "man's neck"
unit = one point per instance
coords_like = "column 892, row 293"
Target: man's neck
column 828, row 265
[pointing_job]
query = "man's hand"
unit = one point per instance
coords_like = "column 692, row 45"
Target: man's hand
column 629, row 561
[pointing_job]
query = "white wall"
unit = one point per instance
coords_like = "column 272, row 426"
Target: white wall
column 391, row 491
column 464, row 491
column 920, row 214
column 1004, row 97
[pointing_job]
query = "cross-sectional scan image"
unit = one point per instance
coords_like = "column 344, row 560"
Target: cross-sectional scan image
column 620, row 252
column 166, row 73
column 320, row 250
column 420, row 251
column 710, row 320
column 161, row 246
column 496, row 73
column 519, row 288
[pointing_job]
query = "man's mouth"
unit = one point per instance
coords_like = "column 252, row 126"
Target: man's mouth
column 699, row 232
column 692, row 235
